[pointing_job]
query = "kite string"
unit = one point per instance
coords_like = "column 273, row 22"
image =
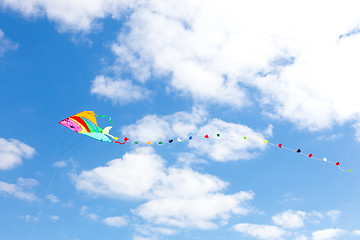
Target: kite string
column 62, row 151
column 43, row 204
column 48, row 189
column 267, row 142
column 310, row 156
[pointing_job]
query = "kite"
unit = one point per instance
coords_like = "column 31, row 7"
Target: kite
column 85, row 123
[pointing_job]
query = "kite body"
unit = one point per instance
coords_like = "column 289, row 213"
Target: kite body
column 85, row 123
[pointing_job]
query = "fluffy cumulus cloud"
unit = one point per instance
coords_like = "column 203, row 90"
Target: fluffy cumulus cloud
column 119, row 91
column 230, row 145
column 160, row 128
column 6, row 44
column 20, row 189
column 198, row 211
column 132, row 176
column 12, row 152
column 327, row 234
column 290, row 219
column 260, row 231
column 301, row 70
column 236, row 141
column 177, row 197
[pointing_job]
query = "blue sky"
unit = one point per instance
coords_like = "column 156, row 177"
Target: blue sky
column 286, row 72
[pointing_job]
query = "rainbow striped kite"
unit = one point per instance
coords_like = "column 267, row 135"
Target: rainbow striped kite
column 85, row 123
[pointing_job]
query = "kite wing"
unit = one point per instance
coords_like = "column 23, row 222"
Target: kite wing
column 85, row 123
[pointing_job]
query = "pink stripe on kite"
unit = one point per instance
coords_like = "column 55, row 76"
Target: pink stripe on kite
column 71, row 124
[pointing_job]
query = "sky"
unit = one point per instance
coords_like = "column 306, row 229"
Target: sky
column 281, row 71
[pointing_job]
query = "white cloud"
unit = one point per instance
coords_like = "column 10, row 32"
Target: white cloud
column 327, row 234
column 60, row 164
column 356, row 232
column 289, row 196
column 70, row 15
column 6, row 44
column 54, row 218
column 29, row 218
column 160, row 128
column 153, row 231
column 260, row 231
column 231, row 144
column 301, row 69
column 214, row 51
column 26, row 182
column 136, row 237
column 116, row 221
column 195, row 211
column 132, row 176
column 179, row 197
column 165, row 231
column 296, row 219
column 12, row 152
column 18, row 191
column 290, row 219
column 84, row 211
column 333, row 214
column 52, row 198
column 119, row 91
column 301, row 237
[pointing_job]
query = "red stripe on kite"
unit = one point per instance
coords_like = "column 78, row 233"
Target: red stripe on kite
column 81, row 121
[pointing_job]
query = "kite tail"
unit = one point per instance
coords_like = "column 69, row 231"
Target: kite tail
column 125, row 140
column 107, row 117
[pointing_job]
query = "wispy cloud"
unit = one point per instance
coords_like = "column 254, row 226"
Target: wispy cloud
column 18, row 190
column 84, row 211
column 328, row 234
column 116, row 221
column 119, row 91
column 54, row 218
column 60, row 164
column 6, row 44
column 12, row 152
column 52, row 198
column 260, row 231
column 333, row 214
column 29, row 218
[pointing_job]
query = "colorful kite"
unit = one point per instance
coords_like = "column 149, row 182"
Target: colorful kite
column 85, row 123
